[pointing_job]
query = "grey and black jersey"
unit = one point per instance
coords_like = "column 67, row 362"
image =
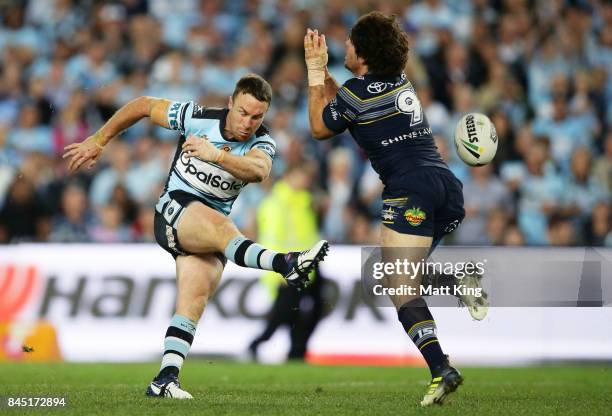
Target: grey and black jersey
column 385, row 117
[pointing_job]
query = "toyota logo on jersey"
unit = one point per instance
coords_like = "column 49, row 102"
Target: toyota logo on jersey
column 377, row 87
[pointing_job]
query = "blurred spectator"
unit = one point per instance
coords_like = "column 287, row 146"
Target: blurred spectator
column 71, row 126
column 427, row 18
column 483, row 192
column 542, row 71
column 119, row 172
column 149, row 168
column 513, row 236
column 582, row 190
column 506, row 149
column 561, row 231
column 602, row 168
column 17, row 39
column 540, row 194
column 22, row 216
column 598, row 229
column 546, row 62
column 496, row 227
column 339, row 186
column 142, row 229
column 111, row 228
column 436, row 113
column 121, row 198
column 567, row 132
column 370, row 188
column 460, row 169
column 31, row 135
column 74, row 222
column 90, row 69
column 361, row 231
column 38, row 95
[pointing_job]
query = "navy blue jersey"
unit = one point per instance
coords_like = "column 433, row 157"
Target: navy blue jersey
column 386, row 119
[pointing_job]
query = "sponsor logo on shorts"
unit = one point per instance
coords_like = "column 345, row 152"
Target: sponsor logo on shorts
column 388, row 215
column 415, row 216
column 170, row 237
column 452, row 226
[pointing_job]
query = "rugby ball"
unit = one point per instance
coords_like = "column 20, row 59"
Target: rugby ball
column 475, row 139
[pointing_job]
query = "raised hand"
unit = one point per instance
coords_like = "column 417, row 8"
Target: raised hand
column 315, row 50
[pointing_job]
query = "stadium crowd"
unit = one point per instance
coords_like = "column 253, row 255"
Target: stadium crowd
column 542, row 71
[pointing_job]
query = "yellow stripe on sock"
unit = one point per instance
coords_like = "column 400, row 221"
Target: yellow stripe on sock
column 419, row 323
column 427, row 343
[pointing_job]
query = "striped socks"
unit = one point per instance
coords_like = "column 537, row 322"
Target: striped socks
column 247, row 253
column 421, row 328
column 177, row 343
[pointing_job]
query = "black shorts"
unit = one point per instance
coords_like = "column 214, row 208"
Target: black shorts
column 427, row 202
column 166, row 222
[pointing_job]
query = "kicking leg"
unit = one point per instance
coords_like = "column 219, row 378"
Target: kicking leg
column 204, row 230
column 197, row 280
column 463, row 288
column 478, row 306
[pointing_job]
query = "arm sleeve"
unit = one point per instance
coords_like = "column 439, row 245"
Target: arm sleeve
column 180, row 115
column 338, row 115
column 266, row 144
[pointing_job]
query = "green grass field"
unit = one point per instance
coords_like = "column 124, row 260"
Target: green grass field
column 296, row 389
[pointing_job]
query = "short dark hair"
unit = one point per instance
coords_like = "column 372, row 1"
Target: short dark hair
column 254, row 85
column 380, row 41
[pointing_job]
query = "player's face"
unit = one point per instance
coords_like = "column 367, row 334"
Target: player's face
column 245, row 116
column 350, row 60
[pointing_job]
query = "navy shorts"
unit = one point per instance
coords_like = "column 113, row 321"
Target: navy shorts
column 427, row 202
column 166, row 222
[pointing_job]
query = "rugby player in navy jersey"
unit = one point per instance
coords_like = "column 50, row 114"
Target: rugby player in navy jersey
column 220, row 150
column 422, row 199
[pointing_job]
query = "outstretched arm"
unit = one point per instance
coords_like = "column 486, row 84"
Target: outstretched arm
column 319, row 89
column 88, row 151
